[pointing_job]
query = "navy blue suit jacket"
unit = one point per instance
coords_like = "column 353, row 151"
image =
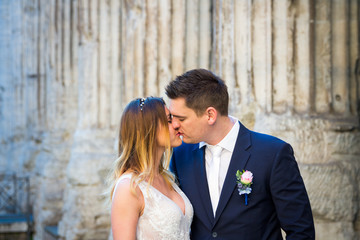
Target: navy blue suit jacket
column 278, row 198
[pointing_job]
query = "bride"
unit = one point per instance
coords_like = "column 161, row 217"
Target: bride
column 146, row 203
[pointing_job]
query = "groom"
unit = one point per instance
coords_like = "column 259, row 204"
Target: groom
column 216, row 147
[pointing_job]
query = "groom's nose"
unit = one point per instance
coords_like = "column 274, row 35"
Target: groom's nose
column 175, row 124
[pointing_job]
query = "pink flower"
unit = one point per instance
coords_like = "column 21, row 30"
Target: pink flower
column 244, row 181
column 246, row 177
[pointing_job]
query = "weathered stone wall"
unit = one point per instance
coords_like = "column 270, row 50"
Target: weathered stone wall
column 67, row 68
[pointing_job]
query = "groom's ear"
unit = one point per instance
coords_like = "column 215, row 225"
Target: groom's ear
column 211, row 114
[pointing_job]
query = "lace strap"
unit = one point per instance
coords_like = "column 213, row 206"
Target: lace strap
column 124, row 176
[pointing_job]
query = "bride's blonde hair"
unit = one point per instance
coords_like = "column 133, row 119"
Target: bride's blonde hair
column 139, row 126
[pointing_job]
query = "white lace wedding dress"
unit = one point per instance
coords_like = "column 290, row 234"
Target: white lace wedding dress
column 162, row 219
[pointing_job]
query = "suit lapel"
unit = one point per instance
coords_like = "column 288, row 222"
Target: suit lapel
column 238, row 161
column 202, row 186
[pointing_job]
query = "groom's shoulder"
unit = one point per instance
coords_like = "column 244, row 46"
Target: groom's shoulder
column 265, row 140
column 185, row 147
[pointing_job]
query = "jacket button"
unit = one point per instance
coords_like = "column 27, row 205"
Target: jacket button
column 214, row 234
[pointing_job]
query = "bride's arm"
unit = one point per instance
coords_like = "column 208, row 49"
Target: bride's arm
column 126, row 209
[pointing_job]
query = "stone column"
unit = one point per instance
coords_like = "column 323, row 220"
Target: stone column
column 99, row 101
column 49, row 32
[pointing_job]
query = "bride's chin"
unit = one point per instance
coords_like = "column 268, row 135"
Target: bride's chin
column 176, row 143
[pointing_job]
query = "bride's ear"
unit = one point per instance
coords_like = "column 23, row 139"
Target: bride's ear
column 211, row 114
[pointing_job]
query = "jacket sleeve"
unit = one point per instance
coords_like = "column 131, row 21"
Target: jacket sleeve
column 290, row 197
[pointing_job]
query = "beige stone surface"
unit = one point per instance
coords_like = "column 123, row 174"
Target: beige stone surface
column 84, row 202
column 334, row 230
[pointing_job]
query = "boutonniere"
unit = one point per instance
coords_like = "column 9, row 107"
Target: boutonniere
column 244, row 181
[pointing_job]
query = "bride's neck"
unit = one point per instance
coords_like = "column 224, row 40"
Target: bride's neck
column 157, row 156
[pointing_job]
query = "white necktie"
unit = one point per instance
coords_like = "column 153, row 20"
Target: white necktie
column 213, row 173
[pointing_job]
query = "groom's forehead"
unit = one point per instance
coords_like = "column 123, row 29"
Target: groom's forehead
column 178, row 107
column 181, row 112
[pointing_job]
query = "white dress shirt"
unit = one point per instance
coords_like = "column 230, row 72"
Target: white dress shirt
column 228, row 145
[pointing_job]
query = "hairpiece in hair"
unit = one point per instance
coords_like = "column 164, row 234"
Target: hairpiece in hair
column 142, row 102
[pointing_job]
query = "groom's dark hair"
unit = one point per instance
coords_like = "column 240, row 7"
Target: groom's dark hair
column 201, row 89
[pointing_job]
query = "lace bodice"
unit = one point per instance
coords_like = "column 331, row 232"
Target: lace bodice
column 162, row 219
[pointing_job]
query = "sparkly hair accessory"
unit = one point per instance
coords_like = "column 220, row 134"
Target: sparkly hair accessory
column 142, row 102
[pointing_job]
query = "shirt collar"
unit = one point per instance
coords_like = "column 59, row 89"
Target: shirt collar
column 228, row 142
